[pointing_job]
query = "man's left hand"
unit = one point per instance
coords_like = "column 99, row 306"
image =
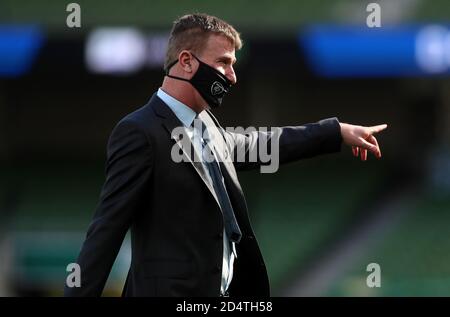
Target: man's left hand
column 362, row 139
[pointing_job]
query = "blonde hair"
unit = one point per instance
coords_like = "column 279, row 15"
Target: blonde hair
column 191, row 32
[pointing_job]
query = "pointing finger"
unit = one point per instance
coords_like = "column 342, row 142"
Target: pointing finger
column 378, row 128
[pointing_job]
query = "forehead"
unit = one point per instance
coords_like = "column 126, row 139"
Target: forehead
column 219, row 46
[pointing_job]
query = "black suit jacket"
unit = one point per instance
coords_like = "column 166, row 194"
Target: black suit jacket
column 176, row 223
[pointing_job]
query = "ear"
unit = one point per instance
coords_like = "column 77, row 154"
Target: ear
column 185, row 59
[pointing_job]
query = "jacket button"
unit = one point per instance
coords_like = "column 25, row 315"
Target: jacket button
column 251, row 237
column 220, row 235
column 217, row 269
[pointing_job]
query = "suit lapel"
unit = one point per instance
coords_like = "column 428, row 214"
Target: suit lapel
column 171, row 122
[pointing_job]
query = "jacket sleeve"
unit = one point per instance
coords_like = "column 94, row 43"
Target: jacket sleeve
column 253, row 149
column 128, row 168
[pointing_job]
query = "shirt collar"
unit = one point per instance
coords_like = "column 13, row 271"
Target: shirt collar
column 184, row 113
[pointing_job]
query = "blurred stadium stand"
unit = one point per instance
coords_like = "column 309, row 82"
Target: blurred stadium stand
column 58, row 108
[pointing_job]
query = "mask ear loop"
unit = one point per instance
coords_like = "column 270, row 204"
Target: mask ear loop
column 171, row 76
column 176, row 77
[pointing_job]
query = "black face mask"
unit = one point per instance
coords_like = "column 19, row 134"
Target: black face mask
column 211, row 84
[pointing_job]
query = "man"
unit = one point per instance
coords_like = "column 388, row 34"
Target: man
column 190, row 232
